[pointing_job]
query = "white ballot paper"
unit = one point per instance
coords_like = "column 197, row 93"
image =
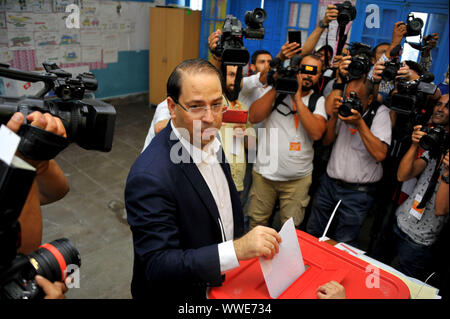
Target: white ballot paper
column 281, row 271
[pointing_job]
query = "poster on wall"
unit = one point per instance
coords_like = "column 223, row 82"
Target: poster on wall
column 90, row 37
column 5, row 55
column 60, row 5
column 91, row 54
column 69, row 37
column 110, row 56
column 47, row 54
column 45, row 22
column 43, row 39
column 20, row 40
column 19, row 21
column 70, row 54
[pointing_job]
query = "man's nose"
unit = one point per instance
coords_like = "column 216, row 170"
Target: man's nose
column 208, row 116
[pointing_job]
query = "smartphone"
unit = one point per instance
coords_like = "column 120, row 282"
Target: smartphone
column 235, row 116
column 295, row 36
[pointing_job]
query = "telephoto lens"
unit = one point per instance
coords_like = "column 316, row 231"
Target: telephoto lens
column 51, row 259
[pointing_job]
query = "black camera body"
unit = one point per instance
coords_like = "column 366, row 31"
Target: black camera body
column 360, row 62
column 230, row 46
column 413, row 26
column 346, row 12
column 88, row 122
column 349, row 104
column 436, row 141
column 390, row 69
column 286, row 83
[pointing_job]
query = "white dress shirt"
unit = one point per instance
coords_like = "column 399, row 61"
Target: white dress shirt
column 209, row 166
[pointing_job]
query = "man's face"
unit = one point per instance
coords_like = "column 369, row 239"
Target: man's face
column 231, row 76
column 198, row 89
column 440, row 111
column 309, row 80
column 359, row 87
column 321, row 54
column 380, row 50
column 262, row 63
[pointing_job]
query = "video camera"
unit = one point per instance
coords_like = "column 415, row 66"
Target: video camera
column 54, row 261
column 360, row 62
column 230, row 46
column 286, row 82
column 88, row 122
column 411, row 97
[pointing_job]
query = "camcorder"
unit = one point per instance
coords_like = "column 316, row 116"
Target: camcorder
column 360, row 62
column 392, row 66
column 411, row 98
column 285, row 81
column 346, row 12
column 230, row 46
column 349, row 104
column 436, row 141
column 88, row 122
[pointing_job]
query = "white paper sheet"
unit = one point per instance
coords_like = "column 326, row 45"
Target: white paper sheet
column 281, row 271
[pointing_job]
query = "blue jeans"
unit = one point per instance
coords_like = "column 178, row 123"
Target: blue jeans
column 348, row 218
column 413, row 258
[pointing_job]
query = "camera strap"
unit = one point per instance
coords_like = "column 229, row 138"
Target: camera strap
column 38, row 144
column 431, row 186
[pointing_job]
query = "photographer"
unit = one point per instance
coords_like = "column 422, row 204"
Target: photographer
column 355, row 163
column 50, row 185
column 288, row 175
column 418, row 225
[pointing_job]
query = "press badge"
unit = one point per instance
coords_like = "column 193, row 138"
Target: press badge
column 414, row 211
column 294, row 147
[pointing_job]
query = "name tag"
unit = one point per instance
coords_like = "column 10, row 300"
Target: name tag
column 295, row 147
column 414, row 211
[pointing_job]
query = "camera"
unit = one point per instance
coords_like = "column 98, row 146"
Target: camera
column 230, row 46
column 360, row 62
column 88, row 122
column 286, row 83
column 411, row 97
column 392, row 66
column 51, row 261
column 346, row 12
column 436, row 140
column 413, row 26
column 349, row 104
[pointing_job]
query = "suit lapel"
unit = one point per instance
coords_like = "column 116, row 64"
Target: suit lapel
column 197, row 181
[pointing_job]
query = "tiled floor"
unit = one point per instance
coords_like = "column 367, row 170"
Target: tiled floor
column 91, row 214
column 97, row 181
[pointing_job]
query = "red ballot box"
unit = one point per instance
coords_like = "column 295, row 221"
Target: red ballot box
column 323, row 263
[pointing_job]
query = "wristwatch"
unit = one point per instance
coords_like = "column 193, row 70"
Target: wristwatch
column 445, row 178
column 322, row 25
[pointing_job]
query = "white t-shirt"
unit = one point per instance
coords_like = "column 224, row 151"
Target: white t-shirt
column 161, row 113
column 273, row 160
column 252, row 90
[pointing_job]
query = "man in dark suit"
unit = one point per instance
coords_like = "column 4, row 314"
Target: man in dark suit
column 182, row 205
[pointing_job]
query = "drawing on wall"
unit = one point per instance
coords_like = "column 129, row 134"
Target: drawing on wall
column 19, row 21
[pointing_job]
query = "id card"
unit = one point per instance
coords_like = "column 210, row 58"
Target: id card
column 294, row 147
column 414, row 211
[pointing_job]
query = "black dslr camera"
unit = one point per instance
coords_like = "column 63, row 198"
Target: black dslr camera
column 88, row 122
column 436, row 140
column 346, row 12
column 360, row 62
column 54, row 261
column 413, row 26
column 230, row 46
column 349, row 104
column 286, row 83
column 392, row 66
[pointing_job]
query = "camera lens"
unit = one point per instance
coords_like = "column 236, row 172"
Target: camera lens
column 428, row 142
column 51, row 259
column 345, row 109
column 255, row 17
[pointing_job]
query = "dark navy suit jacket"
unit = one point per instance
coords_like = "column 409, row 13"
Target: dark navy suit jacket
column 175, row 223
